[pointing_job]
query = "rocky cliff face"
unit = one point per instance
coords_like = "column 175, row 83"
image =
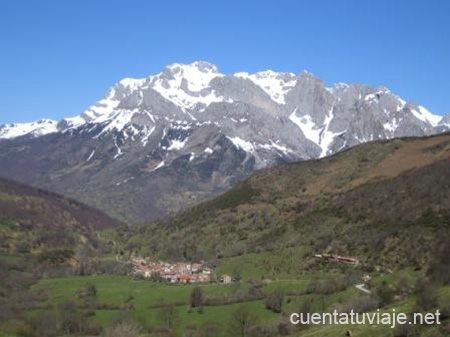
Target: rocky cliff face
column 162, row 143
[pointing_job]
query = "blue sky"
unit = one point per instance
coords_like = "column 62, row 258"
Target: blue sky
column 58, row 57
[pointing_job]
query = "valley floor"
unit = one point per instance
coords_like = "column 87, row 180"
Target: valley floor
column 160, row 307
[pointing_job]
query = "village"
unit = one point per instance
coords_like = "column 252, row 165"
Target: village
column 197, row 272
column 179, row 272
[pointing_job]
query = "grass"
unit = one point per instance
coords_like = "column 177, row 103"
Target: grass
column 10, row 257
column 360, row 330
column 9, row 197
column 220, row 315
column 117, row 289
column 265, row 265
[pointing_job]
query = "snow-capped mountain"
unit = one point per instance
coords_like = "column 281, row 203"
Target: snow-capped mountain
column 38, row 128
column 190, row 132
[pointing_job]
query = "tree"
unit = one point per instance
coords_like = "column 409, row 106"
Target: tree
column 439, row 269
column 69, row 318
column 306, row 306
column 167, row 315
column 275, row 301
column 124, row 329
column 241, row 322
column 403, row 285
column 209, row 329
column 91, row 290
column 236, row 274
column 83, row 255
column 384, row 293
column 156, row 277
column 197, row 299
column 428, row 296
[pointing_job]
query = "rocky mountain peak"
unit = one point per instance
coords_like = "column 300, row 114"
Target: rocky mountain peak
column 190, row 128
column 35, row 129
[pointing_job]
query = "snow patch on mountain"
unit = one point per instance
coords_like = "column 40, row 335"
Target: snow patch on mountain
column 320, row 135
column 276, row 85
column 392, row 125
column 308, row 127
column 146, row 133
column 188, row 85
column 374, row 96
column 242, row 144
column 161, row 164
column 119, row 151
column 102, row 107
column 274, row 146
column 36, row 129
column 177, row 144
column 74, row 122
column 91, row 155
column 326, row 136
column 425, row 116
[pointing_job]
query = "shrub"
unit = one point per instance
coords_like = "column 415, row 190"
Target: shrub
column 275, row 301
column 197, row 298
column 124, row 329
column 209, row 329
column 427, row 296
column 359, row 305
column 167, row 315
column 384, row 293
column 241, row 323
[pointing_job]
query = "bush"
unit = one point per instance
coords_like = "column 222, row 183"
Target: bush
column 359, row 305
column 210, row 329
column 242, row 322
column 89, row 290
column 167, row 315
column 403, row 285
column 124, row 329
column 197, row 298
column 427, row 296
column 275, row 301
column 306, row 306
column 55, row 256
column 236, row 275
column 283, row 328
column 156, row 277
column 327, row 285
column 384, row 294
column 439, row 269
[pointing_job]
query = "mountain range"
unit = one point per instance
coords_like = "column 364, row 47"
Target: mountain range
column 157, row 145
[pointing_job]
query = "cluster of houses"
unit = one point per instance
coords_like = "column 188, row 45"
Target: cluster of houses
column 179, row 272
column 338, row 258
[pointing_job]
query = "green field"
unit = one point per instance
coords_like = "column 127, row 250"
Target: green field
column 118, row 289
column 122, row 297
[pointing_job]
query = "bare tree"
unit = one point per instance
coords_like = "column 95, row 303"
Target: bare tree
column 197, row 299
column 241, row 322
column 275, row 301
column 124, row 329
column 167, row 315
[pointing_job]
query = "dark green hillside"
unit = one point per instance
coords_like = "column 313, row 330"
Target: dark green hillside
column 43, row 235
column 387, row 203
column 36, row 221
